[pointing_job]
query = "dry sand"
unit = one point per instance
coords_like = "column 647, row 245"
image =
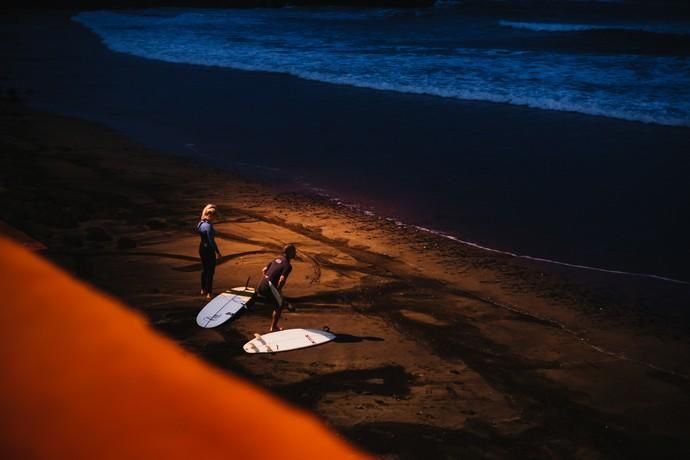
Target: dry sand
column 443, row 351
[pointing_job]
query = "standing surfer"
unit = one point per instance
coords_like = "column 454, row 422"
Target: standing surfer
column 208, row 249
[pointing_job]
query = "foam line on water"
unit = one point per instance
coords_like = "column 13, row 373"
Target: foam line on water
column 549, row 80
column 574, row 27
column 358, row 208
column 553, row 27
column 551, row 261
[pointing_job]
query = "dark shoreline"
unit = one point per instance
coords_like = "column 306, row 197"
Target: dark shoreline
column 292, row 124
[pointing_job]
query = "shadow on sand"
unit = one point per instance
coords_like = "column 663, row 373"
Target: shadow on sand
column 348, row 338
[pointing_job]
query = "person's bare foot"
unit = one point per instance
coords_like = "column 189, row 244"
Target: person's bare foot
column 276, row 329
column 209, row 296
column 203, row 293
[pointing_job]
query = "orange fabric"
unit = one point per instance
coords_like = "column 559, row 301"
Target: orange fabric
column 81, row 377
column 20, row 237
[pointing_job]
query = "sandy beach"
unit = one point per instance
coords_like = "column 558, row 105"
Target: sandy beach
column 442, row 351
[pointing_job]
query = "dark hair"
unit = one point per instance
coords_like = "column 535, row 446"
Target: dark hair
column 290, row 251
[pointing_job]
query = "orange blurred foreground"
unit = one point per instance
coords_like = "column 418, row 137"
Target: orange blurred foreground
column 82, row 377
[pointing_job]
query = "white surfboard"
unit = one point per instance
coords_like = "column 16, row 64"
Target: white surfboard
column 224, row 307
column 289, row 339
column 242, row 290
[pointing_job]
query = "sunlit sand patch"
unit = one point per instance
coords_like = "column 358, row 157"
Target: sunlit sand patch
column 423, row 318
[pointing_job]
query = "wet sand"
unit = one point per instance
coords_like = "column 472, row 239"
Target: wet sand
column 443, row 350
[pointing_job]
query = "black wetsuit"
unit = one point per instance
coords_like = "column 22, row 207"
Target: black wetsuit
column 278, row 267
column 207, row 252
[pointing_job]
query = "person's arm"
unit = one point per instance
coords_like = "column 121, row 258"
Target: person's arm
column 283, row 277
column 212, row 239
column 265, row 269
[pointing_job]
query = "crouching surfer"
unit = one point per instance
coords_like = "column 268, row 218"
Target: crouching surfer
column 276, row 273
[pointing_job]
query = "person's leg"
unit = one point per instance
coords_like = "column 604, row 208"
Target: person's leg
column 277, row 312
column 204, row 273
column 211, row 272
column 208, row 263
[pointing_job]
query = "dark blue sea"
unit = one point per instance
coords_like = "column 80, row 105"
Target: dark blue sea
column 632, row 69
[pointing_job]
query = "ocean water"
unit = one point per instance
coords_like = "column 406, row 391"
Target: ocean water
column 629, row 69
column 594, row 200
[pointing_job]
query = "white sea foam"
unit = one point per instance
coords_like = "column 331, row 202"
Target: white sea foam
column 574, row 27
column 649, row 89
column 553, row 27
column 552, row 261
column 369, row 212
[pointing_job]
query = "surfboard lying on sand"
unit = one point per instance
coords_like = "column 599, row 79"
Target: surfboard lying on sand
column 289, row 339
column 224, row 307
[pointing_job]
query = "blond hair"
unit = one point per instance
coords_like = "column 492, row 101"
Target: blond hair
column 209, row 210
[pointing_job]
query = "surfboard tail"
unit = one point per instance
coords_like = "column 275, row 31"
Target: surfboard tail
column 275, row 293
